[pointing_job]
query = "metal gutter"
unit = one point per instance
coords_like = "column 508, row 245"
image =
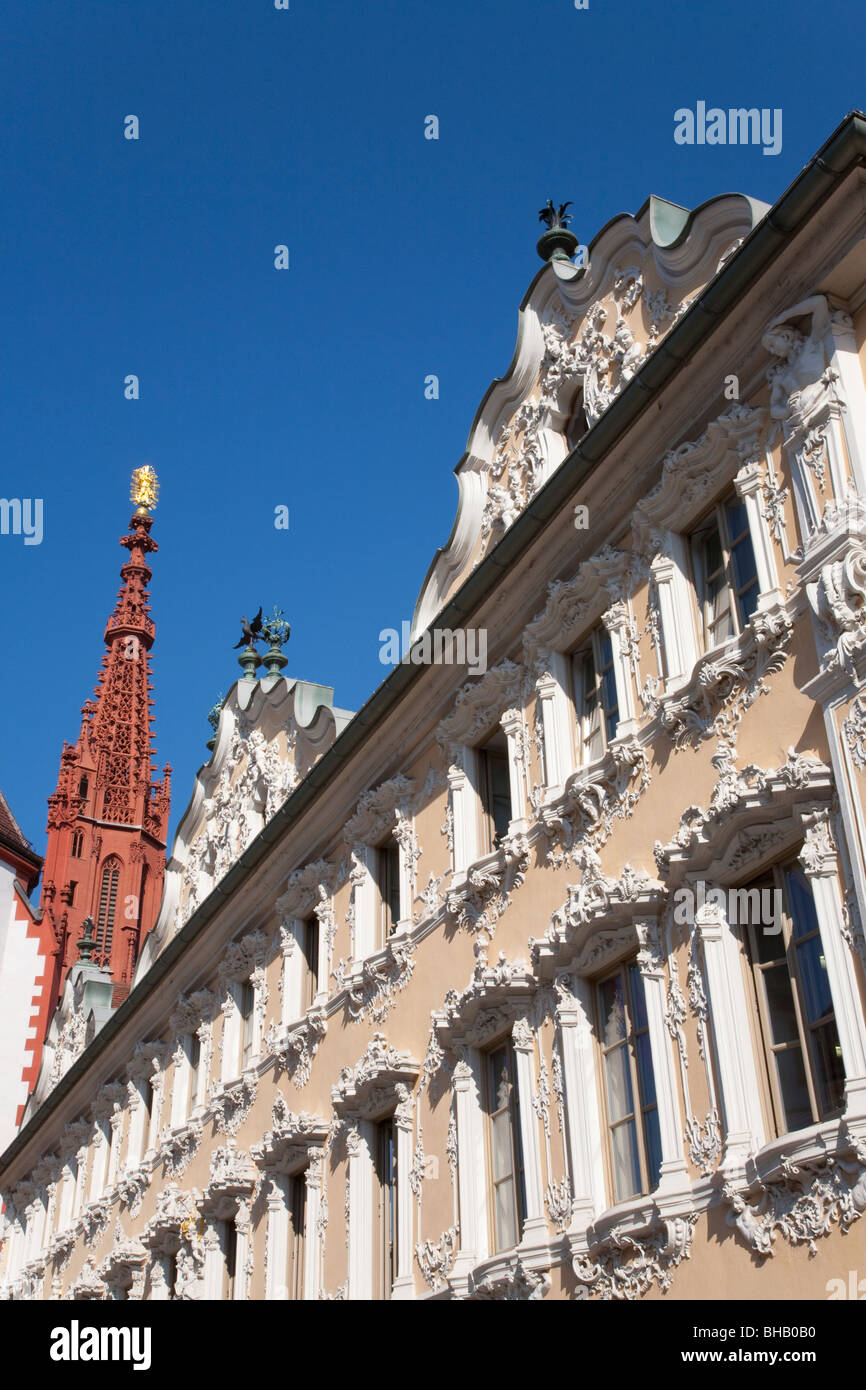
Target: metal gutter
column 840, row 153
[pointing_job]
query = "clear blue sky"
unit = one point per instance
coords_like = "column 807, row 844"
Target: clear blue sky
column 306, row 387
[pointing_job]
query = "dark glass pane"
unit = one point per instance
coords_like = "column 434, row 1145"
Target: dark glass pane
column 608, row 686
column 780, row 1004
column 393, row 885
column 718, row 598
column 801, row 904
column 743, row 556
column 498, row 794
column 605, row 648
column 829, row 1068
column 738, row 518
column 646, row 1078
column 638, row 998
column 748, row 602
column 653, row 1141
column 795, row 1092
column 712, row 553
column 812, row 969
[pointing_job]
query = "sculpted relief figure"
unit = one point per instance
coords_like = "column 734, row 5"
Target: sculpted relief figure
column 798, row 381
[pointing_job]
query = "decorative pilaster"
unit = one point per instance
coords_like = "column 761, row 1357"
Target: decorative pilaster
column 748, row 484
column 523, row 1044
column 738, row 1079
column 404, row 1115
column 556, row 716
column 314, row 1178
column 277, row 1237
column 214, row 1259
column 650, row 959
column 513, row 728
column 359, row 1143
column 470, row 1172
column 574, row 1018
column 461, row 790
column 616, row 621
column 669, row 570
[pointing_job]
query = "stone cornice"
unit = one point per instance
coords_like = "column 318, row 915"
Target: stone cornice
column 480, row 705
column 574, row 605
column 369, row 1090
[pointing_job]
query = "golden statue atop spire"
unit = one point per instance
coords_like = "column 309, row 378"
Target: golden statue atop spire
column 145, row 488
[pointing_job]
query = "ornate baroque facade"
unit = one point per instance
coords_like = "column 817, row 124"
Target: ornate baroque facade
column 476, row 997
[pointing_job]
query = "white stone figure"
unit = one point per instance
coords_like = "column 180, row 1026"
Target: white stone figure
column 798, row 381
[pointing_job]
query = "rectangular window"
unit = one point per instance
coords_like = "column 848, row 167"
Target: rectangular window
column 298, row 1215
column 595, row 698
column 297, row 1222
column 388, row 883
column 634, row 1139
column 230, row 1247
column 802, row 1053
column 193, row 1052
column 726, row 577
column 248, row 1016
column 386, row 1194
column 495, row 791
column 310, row 953
column 504, row 1151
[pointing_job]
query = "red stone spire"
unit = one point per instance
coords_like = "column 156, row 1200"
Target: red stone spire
column 108, row 818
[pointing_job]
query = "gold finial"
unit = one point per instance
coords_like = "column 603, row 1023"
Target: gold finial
column 145, row 488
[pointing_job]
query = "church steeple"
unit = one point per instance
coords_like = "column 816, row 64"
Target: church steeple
column 108, row 818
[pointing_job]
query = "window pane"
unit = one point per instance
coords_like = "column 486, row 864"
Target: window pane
column 500, row 795
column 605, row 647
column 503, row 1159
column 620, row 1100
column 506, row 1220
column 792, row 1084
column 626, row 1171
column 611, row 706
column 653, row 1141
column 738, row 519
column 748, row 602
column 712, row 556
column 718, row 600
column 812, row 969
column 612, row 1010
column 646, row 1077
column 638, row 998
column 593, row 744
column 393, row 873
column 780, row 1004
column 801, row 904
column 743, row 556
column 829, row 1068
column 499, row 1079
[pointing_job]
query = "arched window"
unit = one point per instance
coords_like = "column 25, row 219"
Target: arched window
column 77, row 844
column 83, row 787
column 107, row 906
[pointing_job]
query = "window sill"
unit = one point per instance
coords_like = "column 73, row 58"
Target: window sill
column 798, row 1146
